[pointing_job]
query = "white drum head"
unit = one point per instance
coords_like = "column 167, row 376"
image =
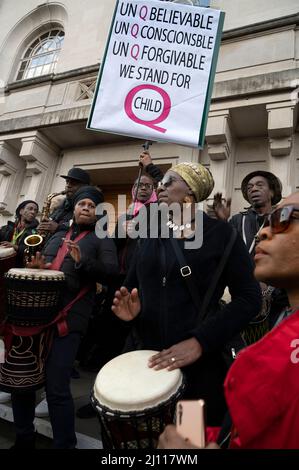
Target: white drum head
column 127, row 383
column 35, row 274
column 6, row 252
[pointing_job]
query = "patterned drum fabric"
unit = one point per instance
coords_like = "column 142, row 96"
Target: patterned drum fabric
column 7, row 261
column 24, row 366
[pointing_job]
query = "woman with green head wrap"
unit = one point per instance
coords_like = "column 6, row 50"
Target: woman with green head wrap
column 197, row 177
column 157, row 296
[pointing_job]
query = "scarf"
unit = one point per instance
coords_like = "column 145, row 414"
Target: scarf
column 137, row 204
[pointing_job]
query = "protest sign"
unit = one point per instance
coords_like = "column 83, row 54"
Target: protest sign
column 157, row 75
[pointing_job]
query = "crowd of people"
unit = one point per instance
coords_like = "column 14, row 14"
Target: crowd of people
column 160, row 295
column 261, row 386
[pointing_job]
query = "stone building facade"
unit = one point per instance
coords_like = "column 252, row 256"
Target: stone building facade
column 45, row 100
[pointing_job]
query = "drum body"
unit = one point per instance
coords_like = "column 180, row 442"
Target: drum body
column 134, row 403
column 33, row 296
column 24, row 366
column 7, row 261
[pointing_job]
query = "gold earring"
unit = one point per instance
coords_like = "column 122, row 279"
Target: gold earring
column 187, row 202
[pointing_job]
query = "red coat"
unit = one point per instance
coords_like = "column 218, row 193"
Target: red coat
column 262, row 390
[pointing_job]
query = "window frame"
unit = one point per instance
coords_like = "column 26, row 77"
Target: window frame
column 46, row 44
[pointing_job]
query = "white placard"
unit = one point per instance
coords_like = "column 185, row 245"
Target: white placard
column 157, row 75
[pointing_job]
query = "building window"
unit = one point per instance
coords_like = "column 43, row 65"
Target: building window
column 41, row 56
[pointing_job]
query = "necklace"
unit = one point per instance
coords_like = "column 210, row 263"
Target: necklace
column 176, row 227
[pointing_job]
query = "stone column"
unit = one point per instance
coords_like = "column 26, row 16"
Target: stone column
column 281, row 125
column 220, row 144
column 11, row 174
column 40, row 156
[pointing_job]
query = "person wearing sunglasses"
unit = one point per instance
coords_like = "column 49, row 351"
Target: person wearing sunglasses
column 143, row 195
column 263, row 402
column 279, row 220
column 156, row 296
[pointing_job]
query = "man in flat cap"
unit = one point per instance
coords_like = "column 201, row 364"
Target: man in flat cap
column 60, row 218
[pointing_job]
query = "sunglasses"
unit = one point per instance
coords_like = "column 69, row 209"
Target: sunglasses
column 167, row 181
column 279, row 220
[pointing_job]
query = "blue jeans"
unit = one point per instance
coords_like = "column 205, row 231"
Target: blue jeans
column 60, row 401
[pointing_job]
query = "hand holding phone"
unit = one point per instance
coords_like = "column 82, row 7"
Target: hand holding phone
column 190, row 422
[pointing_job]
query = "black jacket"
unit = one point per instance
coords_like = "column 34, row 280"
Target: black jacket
column 155, row 172
column 126, row 245
column 248, row 224
column 63, row 214
column 6, row 234
column 168, row 314
column 98, row 264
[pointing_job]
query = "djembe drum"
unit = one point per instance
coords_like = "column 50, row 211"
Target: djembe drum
column 134, row 403
column 33, row 296
column 33, row 300
column 7, row 261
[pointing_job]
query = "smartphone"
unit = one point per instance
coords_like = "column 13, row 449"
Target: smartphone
column 190, row 421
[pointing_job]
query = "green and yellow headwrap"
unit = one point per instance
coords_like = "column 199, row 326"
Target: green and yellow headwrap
column 198, row 178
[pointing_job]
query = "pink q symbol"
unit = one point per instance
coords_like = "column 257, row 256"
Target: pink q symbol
column 133, row 54
column 135, row 30
column 143, row 12
column 165, row 112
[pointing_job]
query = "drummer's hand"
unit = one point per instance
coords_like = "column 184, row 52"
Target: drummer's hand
column 171, row 439
column 126, row 305
column 179, row 355
column 74, row 250
column 47, row 226
column 9, row 245
column 38, row 262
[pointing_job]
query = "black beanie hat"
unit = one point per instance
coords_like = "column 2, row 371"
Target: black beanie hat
column 23, row 204
column 88, row 192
